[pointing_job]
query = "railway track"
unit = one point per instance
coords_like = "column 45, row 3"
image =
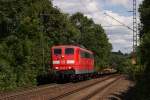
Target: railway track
column 15, row 95
column 88, row 86
column 89, row 96
column 45, row 91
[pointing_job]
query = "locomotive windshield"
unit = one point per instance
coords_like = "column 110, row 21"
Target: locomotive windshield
column 57, row 51
column 69, row 51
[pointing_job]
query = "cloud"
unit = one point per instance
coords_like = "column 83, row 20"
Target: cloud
column 119, row 36
column 124, row 3
column 71, row 6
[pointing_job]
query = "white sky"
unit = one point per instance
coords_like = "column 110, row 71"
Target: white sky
column 120, row 37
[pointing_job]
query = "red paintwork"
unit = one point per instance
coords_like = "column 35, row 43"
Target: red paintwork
column 80, row 66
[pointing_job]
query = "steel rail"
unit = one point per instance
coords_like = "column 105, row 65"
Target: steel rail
column 99, row 90
column 25, row 92
column 82, row 88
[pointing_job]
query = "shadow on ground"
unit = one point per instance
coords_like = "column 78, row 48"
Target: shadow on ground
column 127, row 95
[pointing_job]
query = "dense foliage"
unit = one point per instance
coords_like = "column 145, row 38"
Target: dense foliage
column 117, row 60
column 143, row 86
column 122, row 63
column 28, row 29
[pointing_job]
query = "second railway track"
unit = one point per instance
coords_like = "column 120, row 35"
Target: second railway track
column 21, row 93
column 63, row 96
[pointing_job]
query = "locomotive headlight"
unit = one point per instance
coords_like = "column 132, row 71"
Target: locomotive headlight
column 70, row 61
column 56, row 67
column 69, row 67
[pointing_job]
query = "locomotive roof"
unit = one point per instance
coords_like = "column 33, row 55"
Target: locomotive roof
column 72, row 46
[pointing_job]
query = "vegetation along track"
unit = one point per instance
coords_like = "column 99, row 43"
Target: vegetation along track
column 88, row 86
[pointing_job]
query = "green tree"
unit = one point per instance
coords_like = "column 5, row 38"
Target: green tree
column 142, row 87
column 27, row 32
column 93, row 37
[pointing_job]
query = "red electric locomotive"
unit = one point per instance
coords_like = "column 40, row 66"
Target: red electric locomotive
column 71, row 61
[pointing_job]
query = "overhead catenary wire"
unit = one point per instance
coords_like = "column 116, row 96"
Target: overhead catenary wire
column 112, row 25
column 122, row 24
column 118, row 21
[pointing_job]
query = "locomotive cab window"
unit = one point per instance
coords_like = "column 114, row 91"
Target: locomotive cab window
column 69, row 51
column 82, row 54
column 57, row 51
column 86, row 55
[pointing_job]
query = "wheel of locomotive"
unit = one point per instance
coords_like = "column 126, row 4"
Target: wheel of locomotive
column 81, row 77
column 73, row 78
column 60, row 78
column 67, row 77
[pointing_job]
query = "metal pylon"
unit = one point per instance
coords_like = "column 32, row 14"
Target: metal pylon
column 135, row 30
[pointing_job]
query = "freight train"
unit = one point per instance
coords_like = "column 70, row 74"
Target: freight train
column 73, row 62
